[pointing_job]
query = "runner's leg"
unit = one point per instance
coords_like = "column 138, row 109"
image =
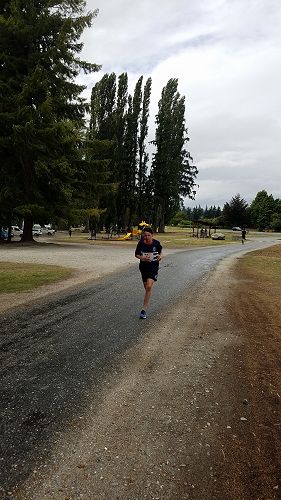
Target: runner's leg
column 148, row 284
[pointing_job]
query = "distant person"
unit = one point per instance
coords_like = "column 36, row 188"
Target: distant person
column 70, row 232
column 149, row 252
column 243, row 233
column 93, row 234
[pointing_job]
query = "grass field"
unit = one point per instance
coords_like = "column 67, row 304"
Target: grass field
column 16, row 277
column 263, row 264
column 172, row 238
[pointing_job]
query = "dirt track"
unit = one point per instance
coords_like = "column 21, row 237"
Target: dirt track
column 194, row 414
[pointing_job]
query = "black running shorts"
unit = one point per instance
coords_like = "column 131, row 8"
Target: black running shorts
column 153, row 275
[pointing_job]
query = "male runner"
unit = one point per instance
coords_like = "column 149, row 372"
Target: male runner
column 149, row 252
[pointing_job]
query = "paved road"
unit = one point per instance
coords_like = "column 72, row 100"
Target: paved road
column 60, row 349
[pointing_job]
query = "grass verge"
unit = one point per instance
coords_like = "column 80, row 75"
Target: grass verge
column 254, row 307
column 17, row 277
column 264, row 265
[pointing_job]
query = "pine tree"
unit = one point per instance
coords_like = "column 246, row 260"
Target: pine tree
column 235, row 212
column 42, row 111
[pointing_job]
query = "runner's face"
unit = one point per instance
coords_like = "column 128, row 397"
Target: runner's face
column 147, row 237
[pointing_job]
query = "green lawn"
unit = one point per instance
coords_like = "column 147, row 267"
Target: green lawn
column 16, row 277
column 264, row 263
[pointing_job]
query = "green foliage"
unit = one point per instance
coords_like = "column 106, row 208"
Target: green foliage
column 263, row 213
column 102, row 108
column 234, row 213
column 128, row 174
column 172, row 176
column 41, row 110
column 262, row 209
column 180, row 219
column 276, row 222
column 143, row 156
column 122, row 118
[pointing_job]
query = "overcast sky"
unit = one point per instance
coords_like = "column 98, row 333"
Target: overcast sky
column 226, row 55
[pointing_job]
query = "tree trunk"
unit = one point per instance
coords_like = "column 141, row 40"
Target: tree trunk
column 9, row 228
column 27, row 229
column 159, row 222
column 161, row 228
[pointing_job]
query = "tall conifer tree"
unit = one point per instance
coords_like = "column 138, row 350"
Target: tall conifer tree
column 42, row 111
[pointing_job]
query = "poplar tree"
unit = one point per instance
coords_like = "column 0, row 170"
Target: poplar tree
column 116, row 116
column 41, row 111
column 172, row 175
column 143, row 155
column 106, row 125
column 120, row 120
column 127, row 191
column 102, row 107
column 96, row 182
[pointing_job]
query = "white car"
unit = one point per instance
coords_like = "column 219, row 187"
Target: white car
column 48, row 230
column 37, row 230
column 16, row 230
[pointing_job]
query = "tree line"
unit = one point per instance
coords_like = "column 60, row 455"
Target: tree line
column 64, row 160
column 263, row 213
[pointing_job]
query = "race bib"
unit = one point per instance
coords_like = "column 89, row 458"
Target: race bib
column 152, row 255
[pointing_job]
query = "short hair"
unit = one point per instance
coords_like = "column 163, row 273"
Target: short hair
column 148, row 230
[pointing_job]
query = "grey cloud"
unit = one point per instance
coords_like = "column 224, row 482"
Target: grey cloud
column 226, row 56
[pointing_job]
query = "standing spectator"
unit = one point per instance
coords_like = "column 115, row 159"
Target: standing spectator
column 93, row 233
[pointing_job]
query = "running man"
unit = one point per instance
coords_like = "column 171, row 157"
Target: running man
column 149, row 252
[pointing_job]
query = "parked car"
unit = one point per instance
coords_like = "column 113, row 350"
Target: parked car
column 16, row 230
column 236, row 228
column 37, row 230
column 3, row 234
column 47, row 229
